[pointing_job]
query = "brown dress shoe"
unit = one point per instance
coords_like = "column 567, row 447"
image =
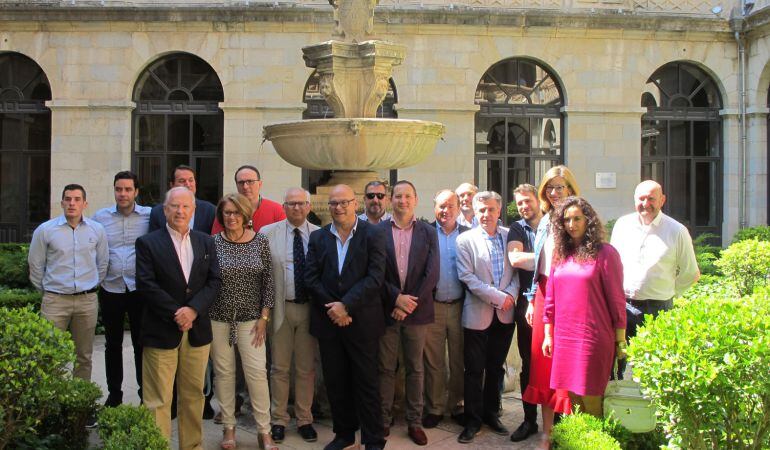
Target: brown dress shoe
column 417, row 435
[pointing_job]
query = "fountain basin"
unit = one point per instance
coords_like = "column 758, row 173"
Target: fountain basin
column 354, row 144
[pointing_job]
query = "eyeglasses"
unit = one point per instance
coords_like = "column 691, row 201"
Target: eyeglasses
column 371, row 195
column 243, row 183
column 230, row 213
column 295, row 204
column 343, row 203
column 557, row 188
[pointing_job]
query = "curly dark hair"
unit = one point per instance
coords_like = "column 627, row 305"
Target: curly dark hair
column 564, row 247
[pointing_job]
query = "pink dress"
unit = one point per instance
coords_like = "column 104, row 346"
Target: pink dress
column 585, row 303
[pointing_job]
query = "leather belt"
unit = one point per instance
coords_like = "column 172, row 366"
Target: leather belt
column 90, row 291
column 451, row 302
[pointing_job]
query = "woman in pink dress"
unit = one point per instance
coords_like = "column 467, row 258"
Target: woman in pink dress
column 557, row 184
column 585, row 307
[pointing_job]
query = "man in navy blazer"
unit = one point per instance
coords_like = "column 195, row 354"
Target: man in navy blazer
column 205, row 212
column 411, row 273
column 177, row 276
column 344, row 268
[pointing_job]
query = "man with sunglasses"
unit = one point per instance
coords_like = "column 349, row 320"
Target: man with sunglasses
column 248, row 181
column 376, row 202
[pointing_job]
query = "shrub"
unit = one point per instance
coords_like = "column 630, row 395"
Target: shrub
column 709, row 286
column 706, row 253
column 14, row 271
column 760, row 233
column 609, row 226
column 33, row 359
column 582, row 432
column 705, row 365
column 20, row 298
column 746, row 264
column 130, row 428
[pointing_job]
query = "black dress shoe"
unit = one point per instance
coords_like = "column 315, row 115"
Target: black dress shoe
column 340, row 442
column 431, row 420
column 495, row 425
column 278, row 432
column 113, row 401
column 525, row 430
column 459, row 419
column 307, row 432
column 468, row 434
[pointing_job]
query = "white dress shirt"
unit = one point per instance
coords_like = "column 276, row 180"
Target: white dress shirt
column 184, row 250
column 658, row 259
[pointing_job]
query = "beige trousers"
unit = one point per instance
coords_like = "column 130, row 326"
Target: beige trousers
column 159, row 366
column 413, row 339
column 293, row 338
column 446, row 330
column 76, row 314
column 254, row 361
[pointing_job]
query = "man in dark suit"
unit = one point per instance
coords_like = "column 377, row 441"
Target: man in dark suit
column 344, row 269
column 177, row 276
column 205, row 212
column 411, row 274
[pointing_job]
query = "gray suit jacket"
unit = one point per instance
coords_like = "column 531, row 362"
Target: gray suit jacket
column 276, row 235
column 474, row 268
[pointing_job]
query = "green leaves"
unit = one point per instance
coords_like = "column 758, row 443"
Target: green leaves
column 706, row 365
column 130, row 428
column 746, row 264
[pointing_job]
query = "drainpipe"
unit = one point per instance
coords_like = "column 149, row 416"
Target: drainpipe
column 738, row 25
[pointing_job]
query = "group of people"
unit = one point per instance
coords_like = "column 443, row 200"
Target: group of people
column 356, row 292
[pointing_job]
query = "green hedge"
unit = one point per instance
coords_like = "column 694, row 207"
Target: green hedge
column 746, row 264
column 705, row 365
column 14, row 270
column 20, row 298
column 130, row 428
column 582, row 432
column 760, row 233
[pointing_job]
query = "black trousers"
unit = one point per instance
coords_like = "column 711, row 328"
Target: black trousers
column 484, row 356
column 635, row 312
column 114, row 308
column 524, row 343
column 353, row 387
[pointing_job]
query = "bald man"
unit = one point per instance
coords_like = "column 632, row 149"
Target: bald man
column 344, row 272
column 657, row 254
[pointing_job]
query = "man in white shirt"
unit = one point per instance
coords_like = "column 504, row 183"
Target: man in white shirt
column 465, row 192
column 657, row 254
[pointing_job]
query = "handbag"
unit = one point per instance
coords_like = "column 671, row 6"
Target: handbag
column 623, row 400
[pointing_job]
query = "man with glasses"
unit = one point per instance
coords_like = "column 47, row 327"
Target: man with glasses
column 290, row 324
column 184, row 176
column 344, row 272
column 375, row 203
column 248, row 181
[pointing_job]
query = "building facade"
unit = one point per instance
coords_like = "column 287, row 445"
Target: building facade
column 619, row 90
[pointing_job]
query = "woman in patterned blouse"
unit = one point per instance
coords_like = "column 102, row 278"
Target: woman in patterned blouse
column 240, row 315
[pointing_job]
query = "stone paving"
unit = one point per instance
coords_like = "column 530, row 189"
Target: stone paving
column 444, row 436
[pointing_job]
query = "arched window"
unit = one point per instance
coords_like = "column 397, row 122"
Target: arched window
column 25, row 147
column 682, row 144
column 178, row 121
column 518, row 127
column 317, row 108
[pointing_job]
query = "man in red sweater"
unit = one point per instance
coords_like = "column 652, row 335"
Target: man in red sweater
column 249, row 182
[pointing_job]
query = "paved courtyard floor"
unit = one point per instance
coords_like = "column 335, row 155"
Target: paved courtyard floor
column 444, row 436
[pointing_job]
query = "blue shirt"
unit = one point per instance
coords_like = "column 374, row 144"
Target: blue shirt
column 497, row 255
column 449, row 286
column 66, row 260
column 342, row 249
column 122, row 232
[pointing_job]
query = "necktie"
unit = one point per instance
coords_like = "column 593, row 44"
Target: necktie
column 300, row 296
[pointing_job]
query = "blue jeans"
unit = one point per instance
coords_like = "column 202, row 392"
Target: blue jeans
column 635, row 312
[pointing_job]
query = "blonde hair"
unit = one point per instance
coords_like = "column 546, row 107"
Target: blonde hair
column 241, row 203
column 553, row 172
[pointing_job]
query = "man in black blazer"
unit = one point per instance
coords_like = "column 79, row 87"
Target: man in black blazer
column 177, row 276
column 411, row 274
column 344, row 270
column 205, row 212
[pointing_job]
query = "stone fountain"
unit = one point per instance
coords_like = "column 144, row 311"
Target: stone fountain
column 354, row 71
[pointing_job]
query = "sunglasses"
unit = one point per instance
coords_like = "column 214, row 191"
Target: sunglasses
column 371, row 195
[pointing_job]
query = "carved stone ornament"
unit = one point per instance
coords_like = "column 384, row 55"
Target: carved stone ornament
column 353, row 19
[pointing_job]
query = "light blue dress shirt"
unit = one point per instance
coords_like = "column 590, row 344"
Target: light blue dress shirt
column 66, row 260
column 449, row 286
column 496, row 249
column 122, row 232
column 342, row 249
